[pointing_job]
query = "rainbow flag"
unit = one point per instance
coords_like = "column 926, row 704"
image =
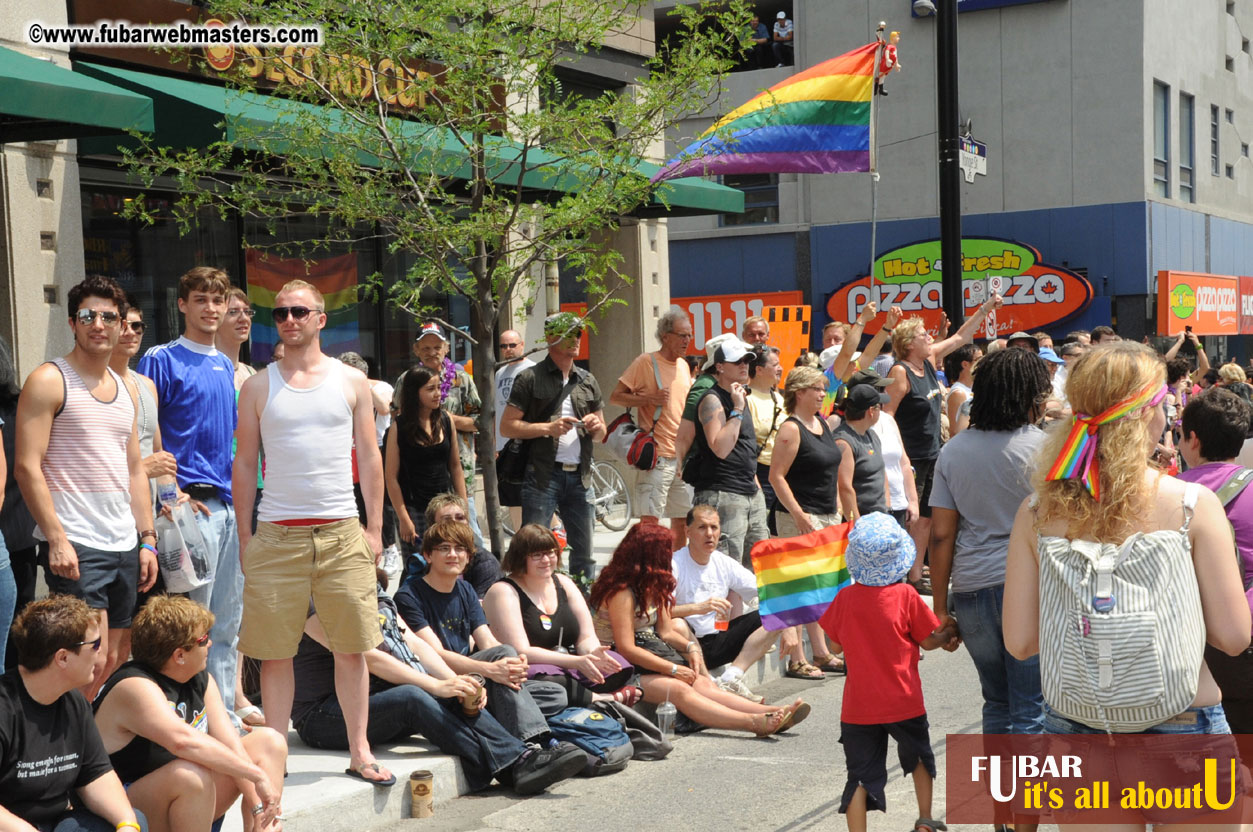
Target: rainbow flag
column 336, row 279
column 817, row 121
column 798, row 577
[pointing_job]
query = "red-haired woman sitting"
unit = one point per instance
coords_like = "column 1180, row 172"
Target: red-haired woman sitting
column 633, row 598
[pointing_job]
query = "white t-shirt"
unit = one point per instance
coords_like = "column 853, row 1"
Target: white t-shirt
column 892, row 449
column 384, row 421
column 505, row 377
column 715, row 579
column 568, row 447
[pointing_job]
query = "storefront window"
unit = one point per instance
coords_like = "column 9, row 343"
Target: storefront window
column 147, row 260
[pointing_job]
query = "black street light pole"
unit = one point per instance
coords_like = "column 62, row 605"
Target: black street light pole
column 951, row 295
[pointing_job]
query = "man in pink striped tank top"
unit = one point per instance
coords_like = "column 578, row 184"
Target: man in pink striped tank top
column 78, row 465
column 307, row 410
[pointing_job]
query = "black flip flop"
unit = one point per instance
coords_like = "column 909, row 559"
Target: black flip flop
column 356, row 772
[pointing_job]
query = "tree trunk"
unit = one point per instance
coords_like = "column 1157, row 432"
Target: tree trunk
column 484, row 328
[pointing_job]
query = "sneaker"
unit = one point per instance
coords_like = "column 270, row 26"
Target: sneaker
column 537, row 770
column 740, row 689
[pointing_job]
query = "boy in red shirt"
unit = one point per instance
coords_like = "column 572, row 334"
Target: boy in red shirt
column 880, row 623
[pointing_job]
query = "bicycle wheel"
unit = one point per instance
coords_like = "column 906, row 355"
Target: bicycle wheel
column 610, row 497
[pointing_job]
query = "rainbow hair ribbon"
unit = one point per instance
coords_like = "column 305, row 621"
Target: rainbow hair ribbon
column 1078, row 459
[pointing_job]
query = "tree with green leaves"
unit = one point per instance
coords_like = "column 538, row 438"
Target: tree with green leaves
column 445, row 128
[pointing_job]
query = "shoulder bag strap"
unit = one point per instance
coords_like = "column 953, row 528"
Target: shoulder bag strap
column 1235, row 484
column 657, row 377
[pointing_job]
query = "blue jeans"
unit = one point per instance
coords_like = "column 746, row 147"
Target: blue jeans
column 567, row 495
column 1012, row 700
column 1207, row 720
column 8, row 599
column 482, row 743
column 224, row 596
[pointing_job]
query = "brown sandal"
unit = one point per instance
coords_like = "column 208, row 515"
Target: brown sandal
column 831, row 663
column 804, row 670
column 795, row 714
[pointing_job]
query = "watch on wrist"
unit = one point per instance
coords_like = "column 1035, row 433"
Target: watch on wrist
column 691, row 646
column 888, row 330
column 735, row 413
column 674, row 670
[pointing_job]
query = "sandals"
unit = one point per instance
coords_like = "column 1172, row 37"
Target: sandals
column 628, row 695
column 358, row 771
column 795, row 714
column 831, row 663
column 804, row 670
column 766, row 724
column 930, row 825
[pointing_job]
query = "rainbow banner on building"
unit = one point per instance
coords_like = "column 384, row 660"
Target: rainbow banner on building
column 798, row 577
column 336, row 279
column 817, row 121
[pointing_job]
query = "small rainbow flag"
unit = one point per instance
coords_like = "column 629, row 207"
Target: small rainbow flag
column 829, row 398
column 798, row 577
column 817, row 121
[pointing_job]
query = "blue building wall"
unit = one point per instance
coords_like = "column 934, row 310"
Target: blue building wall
column 1121, row 246
column 733, row 265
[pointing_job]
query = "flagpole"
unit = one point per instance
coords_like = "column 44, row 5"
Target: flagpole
column 874, row 153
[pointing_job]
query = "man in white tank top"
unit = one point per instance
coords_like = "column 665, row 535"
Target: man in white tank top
column 77, row 463
column 307, row 409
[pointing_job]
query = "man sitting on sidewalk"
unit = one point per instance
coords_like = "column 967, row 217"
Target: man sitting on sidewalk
column 706, row 578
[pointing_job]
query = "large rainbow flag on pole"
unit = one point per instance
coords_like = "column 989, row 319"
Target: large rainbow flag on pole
column 798, row 577
column 336, row 279
column 817, row 121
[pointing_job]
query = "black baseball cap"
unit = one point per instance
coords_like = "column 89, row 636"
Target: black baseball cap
column 870, row 377
column 864, row 397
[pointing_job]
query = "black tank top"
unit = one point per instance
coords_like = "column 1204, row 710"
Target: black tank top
column 424, row 468
column 544, row 630
column 867, row 468
column 738, row 471
column 918, row 414
column 813, row 474
column 141, row 756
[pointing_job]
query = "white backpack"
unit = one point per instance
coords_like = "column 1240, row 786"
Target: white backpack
column 1122, row 636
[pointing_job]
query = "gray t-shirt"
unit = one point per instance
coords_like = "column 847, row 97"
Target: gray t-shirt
column 984, row 476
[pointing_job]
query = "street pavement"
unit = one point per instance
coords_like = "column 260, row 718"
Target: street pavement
column 720, row 781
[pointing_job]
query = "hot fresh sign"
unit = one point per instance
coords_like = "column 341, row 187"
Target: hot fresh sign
column 1036, row 294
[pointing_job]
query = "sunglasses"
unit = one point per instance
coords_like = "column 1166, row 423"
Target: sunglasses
column 87, row 317
column 95, row 645
column 507, row 346
column 136, row 326
column 203, row 640
column 298, row 313
column 247, row 313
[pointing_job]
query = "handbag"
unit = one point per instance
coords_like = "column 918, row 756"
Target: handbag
column 647, row 741
column 631, row 443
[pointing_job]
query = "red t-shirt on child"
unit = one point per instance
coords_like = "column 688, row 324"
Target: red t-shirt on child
column 879, row 628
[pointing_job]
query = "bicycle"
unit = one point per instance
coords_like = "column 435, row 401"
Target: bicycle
column 611, row 499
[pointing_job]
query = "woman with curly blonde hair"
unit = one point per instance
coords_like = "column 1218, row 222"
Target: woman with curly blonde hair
column 1097, row 495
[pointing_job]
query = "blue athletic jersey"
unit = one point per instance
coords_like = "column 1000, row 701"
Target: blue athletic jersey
column 196, row 409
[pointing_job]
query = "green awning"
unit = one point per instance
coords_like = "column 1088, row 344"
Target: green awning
column 42, row 101
column 193, row 114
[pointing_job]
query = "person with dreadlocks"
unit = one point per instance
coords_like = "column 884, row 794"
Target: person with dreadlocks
column 1096, row 492
column 634, row 600
column 981, row 477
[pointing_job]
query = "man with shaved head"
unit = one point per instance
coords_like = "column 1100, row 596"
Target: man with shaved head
column 512, row 349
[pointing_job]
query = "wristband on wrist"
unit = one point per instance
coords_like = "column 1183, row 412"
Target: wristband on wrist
column 129, row 824
column 149, row 547
column 888, row 330
column 674, row 670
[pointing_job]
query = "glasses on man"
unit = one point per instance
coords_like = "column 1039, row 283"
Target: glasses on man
column 136, row 327
column 450, row 548
column 247, row 313
column 509, row 345
column 297, row 313
column 87, row 317
column 95, row 644
column 544, row 555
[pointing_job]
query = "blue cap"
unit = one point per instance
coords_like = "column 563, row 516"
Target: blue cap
column 1050, row 356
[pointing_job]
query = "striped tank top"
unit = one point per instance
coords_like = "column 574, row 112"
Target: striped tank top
column 85, row 464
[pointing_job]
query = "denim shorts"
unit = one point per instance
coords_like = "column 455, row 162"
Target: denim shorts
column 1206, row 720
column 106, row 581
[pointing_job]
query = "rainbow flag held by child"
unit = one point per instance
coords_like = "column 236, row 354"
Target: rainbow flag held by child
column 798, row 577
column 817, row 121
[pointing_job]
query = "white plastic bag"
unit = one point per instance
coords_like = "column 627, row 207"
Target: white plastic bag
column 181, row 551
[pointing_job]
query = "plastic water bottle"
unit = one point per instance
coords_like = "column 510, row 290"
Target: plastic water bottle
column 167, row 490
column 665, row 719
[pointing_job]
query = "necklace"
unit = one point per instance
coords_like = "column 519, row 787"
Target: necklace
column 920, row 368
